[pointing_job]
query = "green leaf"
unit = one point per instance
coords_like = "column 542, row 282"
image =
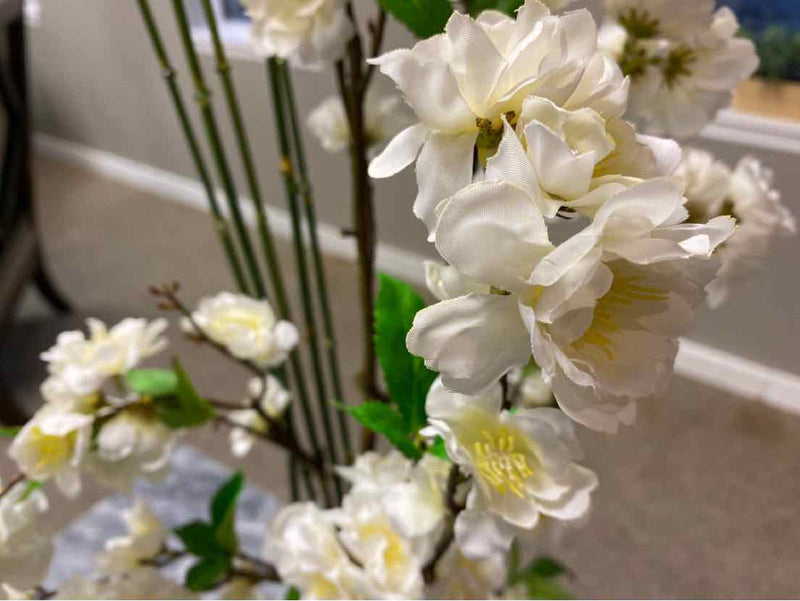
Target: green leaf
column 387, row 421
column 199, row 538
column 423, row 17
column 292, row 594
column 184, row 409
column 223, row 512
column 438, row 449
column 9, row 431
column 406, row 375
column 30, row 486
column 207, row 573
column 509, row 7
column 152, row 382
column 539, row 578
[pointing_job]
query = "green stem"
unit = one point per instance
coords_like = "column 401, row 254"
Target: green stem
column 316, row 257
column 287, row 171
column 265, row 233
column 203, row 97
column 220, row 225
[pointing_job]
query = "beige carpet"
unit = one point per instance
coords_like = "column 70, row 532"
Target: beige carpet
column 698, row 499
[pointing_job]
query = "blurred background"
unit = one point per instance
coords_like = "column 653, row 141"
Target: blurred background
column 698, row 499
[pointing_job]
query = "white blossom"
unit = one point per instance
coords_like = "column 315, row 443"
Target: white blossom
column 83, row 363
column 601, row 312
column 411, row 495
column 247, row 327
column 273, row 401
column 303, row 546
column 20, row 508
column 459, row 577
column 310, row 33
column 523, row 465
column 747, row 193
column 134, row 443
column 684, row 61
column 146, row 535
column 384, row 117
column 462, row 83
column 531, row 387
column 53, row 444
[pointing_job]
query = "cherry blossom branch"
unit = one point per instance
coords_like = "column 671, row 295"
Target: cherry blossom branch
column 448, row 535
column 171, row 302
column 11, row 484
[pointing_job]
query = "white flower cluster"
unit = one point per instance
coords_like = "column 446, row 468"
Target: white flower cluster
column 746, row 193
column 601, row 312
column 310, row 33
column 683, row 57
column 21, row 538
column 69, row 433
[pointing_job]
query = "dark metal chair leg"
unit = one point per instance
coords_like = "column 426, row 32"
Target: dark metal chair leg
column 49, row 290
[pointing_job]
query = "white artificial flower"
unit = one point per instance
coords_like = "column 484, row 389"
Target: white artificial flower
column 303, row 546
column 53, row 444
column 462, row 83
column 523, row 465
column 145, row 538
column 557, row 5
column 83, row 364
column 445, row 282
column 134, row 443
column 20, row 509
column 384, row 117
column 141, row 583
column 706, row 181
column 762, row 219
column 683, row 62
column 601, row 312
column 392, row 562
column 247, row 327
column 411, row 495
column 273, row 401
column 531, row 387
column 309, row 33
column 671, row 18
column 459, row 577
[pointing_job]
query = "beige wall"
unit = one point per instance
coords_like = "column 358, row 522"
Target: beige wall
column 96, row 83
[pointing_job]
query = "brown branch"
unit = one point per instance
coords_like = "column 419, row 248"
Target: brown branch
column 448, row 535
column 11, row 484
column 377, row 30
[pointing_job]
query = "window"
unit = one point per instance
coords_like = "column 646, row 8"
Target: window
column 234, row 28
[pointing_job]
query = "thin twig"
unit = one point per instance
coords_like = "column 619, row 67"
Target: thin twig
column 377, row 30
column 448, row 535
column 11, row 484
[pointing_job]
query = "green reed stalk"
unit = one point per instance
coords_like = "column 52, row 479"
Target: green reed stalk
column 203, row 97
column 316, row 256
column 220, row 224
column 287, row 171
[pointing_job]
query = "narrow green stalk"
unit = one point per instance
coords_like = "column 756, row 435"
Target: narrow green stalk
column 316, row 256
column 203, row 97
column 299, row 251
column 220, row 225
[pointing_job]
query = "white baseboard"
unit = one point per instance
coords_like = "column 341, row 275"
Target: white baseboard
column 699, row 362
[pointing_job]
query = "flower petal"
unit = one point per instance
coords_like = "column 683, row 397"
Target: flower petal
column 399, row 153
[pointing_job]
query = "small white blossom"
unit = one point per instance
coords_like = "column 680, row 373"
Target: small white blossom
column 532, row 389
column 247, row 327
column 462, row 83
column 411, row 495
column 304, row 548
column 146, row 535
column 53, row 444
column 684, row 61
column 383, row 118
column 84, row 363
column 132, row 444
column 310, row 33
column 273, row 401
column 523, row 464
column 459, row 577
column 706, row 181
column 20, row 508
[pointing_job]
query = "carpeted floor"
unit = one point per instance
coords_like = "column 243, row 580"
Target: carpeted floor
column 699, row 499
